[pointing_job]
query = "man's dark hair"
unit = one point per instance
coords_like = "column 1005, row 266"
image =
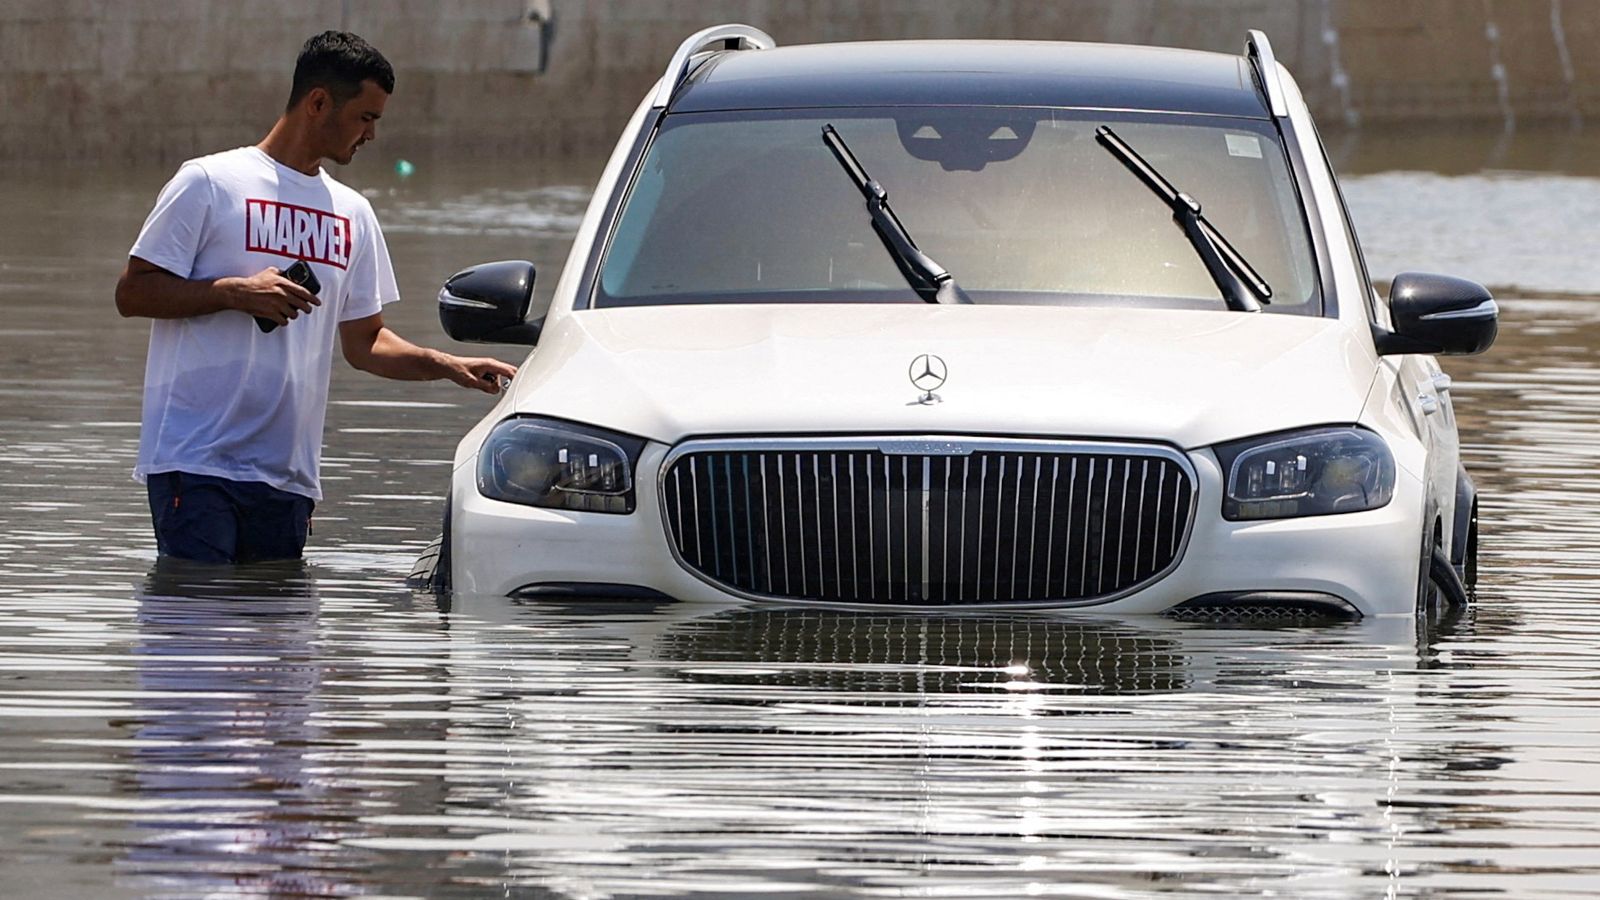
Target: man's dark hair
column 338, row 62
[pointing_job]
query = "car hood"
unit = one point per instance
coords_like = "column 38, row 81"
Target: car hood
column 1181, row 376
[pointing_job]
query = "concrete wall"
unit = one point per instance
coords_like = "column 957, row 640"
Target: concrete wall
column 161, row 80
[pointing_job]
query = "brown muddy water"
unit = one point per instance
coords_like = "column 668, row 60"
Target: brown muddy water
column 324, row 731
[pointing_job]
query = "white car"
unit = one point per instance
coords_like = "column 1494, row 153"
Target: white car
column 1110, row 345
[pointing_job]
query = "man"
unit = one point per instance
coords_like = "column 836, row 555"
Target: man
column 233, row 412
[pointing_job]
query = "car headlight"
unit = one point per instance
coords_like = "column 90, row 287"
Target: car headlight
column 558, row 465
column 1316, row 472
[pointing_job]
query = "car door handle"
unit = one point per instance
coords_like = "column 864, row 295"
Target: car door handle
column 1429, row 403
column 1442, row 382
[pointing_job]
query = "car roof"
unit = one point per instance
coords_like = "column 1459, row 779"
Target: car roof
column 974, row 73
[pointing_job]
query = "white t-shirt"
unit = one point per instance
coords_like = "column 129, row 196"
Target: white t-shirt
column 220, row 397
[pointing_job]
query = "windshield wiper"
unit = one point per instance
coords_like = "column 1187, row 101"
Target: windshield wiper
column 929, row 279
column 1241, row 286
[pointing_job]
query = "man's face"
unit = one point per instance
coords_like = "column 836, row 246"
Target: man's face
column 342, row 129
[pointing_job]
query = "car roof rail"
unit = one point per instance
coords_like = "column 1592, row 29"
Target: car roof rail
column 730, row 36
column 1259, row 51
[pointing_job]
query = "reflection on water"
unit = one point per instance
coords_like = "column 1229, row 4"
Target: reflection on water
column 969, row 654
column 278, row 747
column 321, row 731
column 224, row 661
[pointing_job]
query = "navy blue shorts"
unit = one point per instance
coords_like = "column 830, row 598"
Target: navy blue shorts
column 209, row 519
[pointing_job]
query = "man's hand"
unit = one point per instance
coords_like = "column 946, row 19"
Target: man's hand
column 146, row 289
column 269, row 295
column 480, row 373
column 371, row 347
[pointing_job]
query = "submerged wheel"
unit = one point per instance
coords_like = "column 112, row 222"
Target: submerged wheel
column 431, row 572
column 1439, row 584
column 1430, row 600
column 441, row 572
column 426, row 567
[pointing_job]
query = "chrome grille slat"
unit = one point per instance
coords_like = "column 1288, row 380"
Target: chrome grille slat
column 999, row 498
column 927, row 533
column 709, row 464
column 1112, row 516
column 905, row 520
column 983, row 482
column 1160, row 495
column 1083, row 567
column 1066, row 544
column 888, row 531
column 766, row 524
column 816, row 493
column 855, row 532
column 1122, row 532
column 944, row 532
column 1105, row 520
column 676, row 504
column 783, row 528
column 694, row 491
column 1138, row 528
column 872, row 542
column 800, row 525
column 1179, row 501
column 960, row 580
column 1050, row 535
column 1033, row 524
column 833, row 482
column 733, row 531
column 1016, row 533
column 749, row 525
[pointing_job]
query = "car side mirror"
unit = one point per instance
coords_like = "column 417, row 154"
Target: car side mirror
column 1438, row 314
column 488, row 304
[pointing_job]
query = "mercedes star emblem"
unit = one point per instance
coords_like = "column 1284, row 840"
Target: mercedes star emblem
column 928, row 373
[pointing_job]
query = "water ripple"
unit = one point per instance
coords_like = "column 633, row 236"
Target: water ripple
column 319, row 730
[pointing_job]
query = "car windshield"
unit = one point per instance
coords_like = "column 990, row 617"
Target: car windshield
column 1021, row 205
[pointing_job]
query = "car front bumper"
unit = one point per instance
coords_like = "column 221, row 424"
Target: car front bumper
column 1367, row 560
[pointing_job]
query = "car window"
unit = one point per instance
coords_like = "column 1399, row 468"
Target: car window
column 1377, row 305
column 1020, row 205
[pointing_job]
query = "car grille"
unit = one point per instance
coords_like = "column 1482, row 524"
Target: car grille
column 927, row 521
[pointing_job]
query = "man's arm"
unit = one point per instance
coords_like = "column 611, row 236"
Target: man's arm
column 371, row 347
column 146, row 289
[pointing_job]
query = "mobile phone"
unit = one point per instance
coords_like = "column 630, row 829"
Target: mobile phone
column 300, row 274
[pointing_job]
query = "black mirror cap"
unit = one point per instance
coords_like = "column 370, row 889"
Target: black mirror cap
column 488, row 304
column 1438, row 314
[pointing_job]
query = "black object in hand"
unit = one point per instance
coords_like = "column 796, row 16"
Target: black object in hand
column 300, row 274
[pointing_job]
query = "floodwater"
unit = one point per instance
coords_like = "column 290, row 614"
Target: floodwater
column 321, row 730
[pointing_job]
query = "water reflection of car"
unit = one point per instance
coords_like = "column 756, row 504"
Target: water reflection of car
column 968, row 324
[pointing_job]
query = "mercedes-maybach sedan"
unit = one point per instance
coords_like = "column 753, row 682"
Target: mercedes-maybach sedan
column 968, row 324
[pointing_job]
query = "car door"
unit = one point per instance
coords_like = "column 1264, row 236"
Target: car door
column 1422, row 388
column 1429, row 387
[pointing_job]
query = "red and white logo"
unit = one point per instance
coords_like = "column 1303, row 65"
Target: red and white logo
column 296, row 232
